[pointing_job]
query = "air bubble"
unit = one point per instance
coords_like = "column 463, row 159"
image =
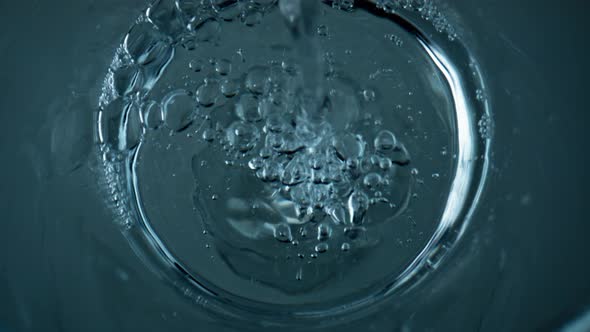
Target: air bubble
column 369, row 95
column 372, row 181
column 345, row 5
column 324, row 232
column 348, row 146
column 485, row 125
column 242, row 136
column 141, row 40
column 255, row 163
column 479, row 95
column 223, row 67
column 178, row 108
column 295, row 172
column 247, row 108
column 132, row 128
column 322, row 247
column 385, row 141
column 282, row 232
column 166, row 17
column 207, row 93
column 229, row 87
column 385, row 163
column 196, row 65
column 251, row 17
column 257, row 79
column 270, row 171
column 322, row 30
column 345, row 246
column 358, row 204
column 153, row 116
column 127, row 79
column 208, row 135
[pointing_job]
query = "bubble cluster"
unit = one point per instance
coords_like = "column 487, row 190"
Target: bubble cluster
column 302, row 146
column 322, row 171
column 427, row 9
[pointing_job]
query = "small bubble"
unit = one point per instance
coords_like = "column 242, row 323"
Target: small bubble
column 322, row 30
column 207, row 94
column 486, row 126
column 196, row 65
column 178, row 107
column 214, row 197
column 255, row 163
column 265, row 152
column 153, row 116
column 395, row 39
column 282, row 232
column 251, row 17
column 127, row 79
column 223, row 66
column 247, row 108
column 324, row 232
column 369, row 95
column 385, row 163
column 242, row 136
column 479, row 94
column 358, row 204
column 345, row 246
column 321, row 247
column 208, row 135
column 229, row 87
column 385, row 141
column 143, row 41
column 435, row 175
column 345, row 5
column 372, row 180
column 257, row 79
column 414, row 171
column 348, row 146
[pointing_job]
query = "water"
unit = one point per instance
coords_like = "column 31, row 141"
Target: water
column 268, row 173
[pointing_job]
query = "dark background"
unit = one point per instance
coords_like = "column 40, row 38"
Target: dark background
column 65, row 267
